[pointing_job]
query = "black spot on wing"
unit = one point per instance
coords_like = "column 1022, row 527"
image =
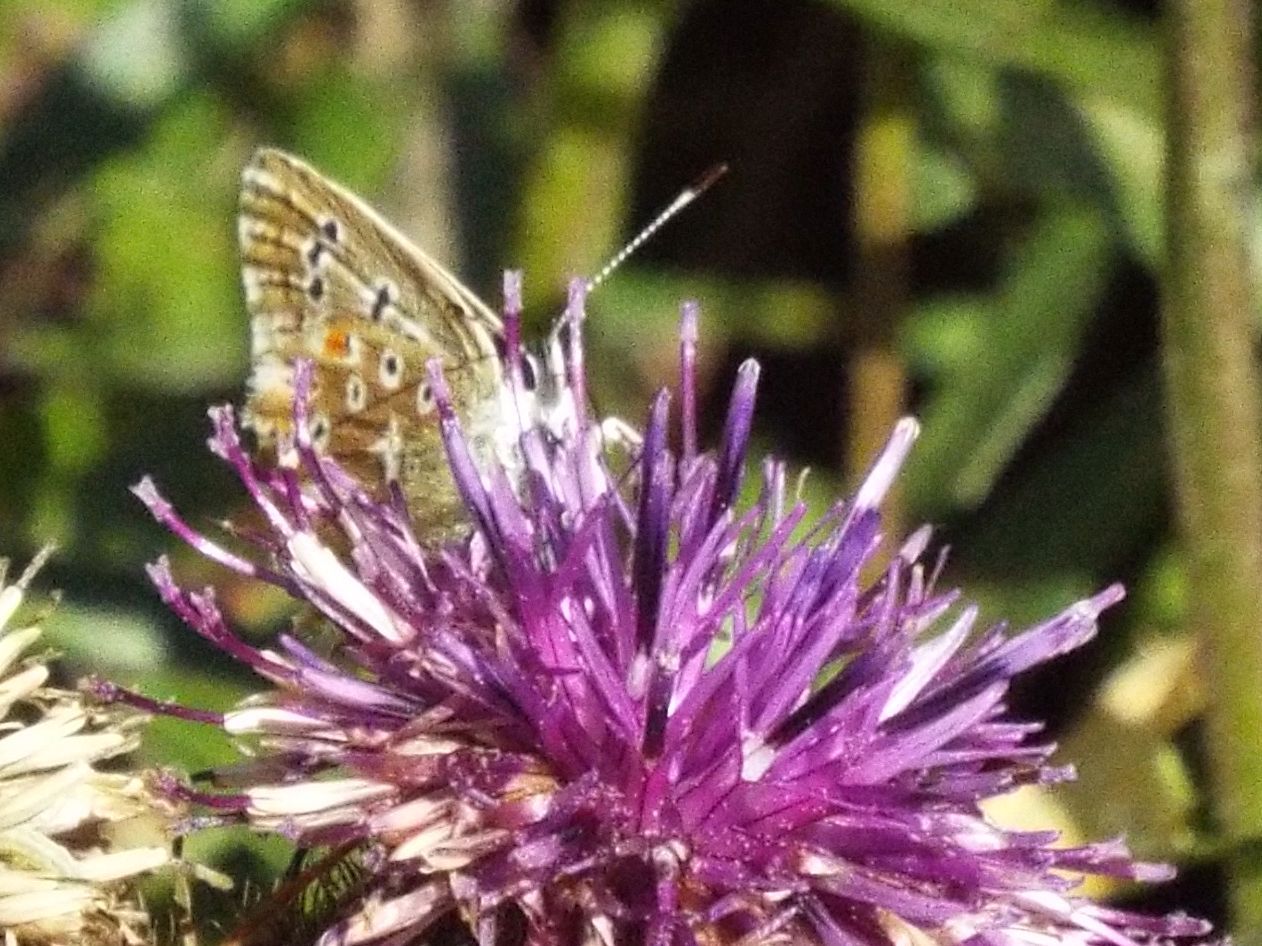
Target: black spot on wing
column 382, row 302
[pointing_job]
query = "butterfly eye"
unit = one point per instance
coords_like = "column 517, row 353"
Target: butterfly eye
column 356, row 395
column 390, row 370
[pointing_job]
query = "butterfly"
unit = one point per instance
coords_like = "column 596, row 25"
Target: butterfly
column 328, row 279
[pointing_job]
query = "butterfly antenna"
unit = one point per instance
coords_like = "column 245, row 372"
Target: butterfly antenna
column 682, row 200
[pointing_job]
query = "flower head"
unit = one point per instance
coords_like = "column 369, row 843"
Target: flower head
column 633, row 709
column 67, row 828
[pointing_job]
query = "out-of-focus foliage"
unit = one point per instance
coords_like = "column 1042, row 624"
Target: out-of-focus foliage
column 539, row 135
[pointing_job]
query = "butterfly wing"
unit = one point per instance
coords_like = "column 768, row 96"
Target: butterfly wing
column 328, row 279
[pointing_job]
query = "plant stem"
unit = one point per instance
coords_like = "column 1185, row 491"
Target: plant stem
column 1213, row 401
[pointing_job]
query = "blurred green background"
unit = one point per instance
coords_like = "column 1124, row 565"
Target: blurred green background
column 952, row 208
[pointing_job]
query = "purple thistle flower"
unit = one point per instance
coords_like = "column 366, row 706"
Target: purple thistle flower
column 632, row 709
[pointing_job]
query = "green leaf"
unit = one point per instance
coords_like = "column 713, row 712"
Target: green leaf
column 1132, row 149
column 1161, row 597
column 166, row 310
column 571, row 216
column 1131, row 782
column 1084, row 507
column 343, row 123
column 137, row 56
column 572, row 204
column 1075, row 44
column 609, row 56
column 1020, row 134
column 74, row 429
column 134, row 648
column 1019, row 351
column 1088, row 148
column 237, row 24
column 944, row 189
column 109, row 641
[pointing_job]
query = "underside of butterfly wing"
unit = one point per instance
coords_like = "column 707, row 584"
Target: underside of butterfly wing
column 327, row 279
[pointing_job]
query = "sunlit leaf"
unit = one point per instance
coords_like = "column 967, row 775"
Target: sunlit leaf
column 166, row 306
column 109, row 640
column 1162, row 595
column 572, row 214
column 944, row 189
column 137, row 55
column 342, row 123
column 236, row 23
column 1042, row 808
column 611, row 54
column 1132, row 148
column 1131, row 781
column 1080, row 45
column 1026, row 136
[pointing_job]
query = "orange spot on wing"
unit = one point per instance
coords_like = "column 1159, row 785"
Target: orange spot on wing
column 337, row 343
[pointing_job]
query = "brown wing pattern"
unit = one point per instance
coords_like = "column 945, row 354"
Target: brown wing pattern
column 327, row 278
